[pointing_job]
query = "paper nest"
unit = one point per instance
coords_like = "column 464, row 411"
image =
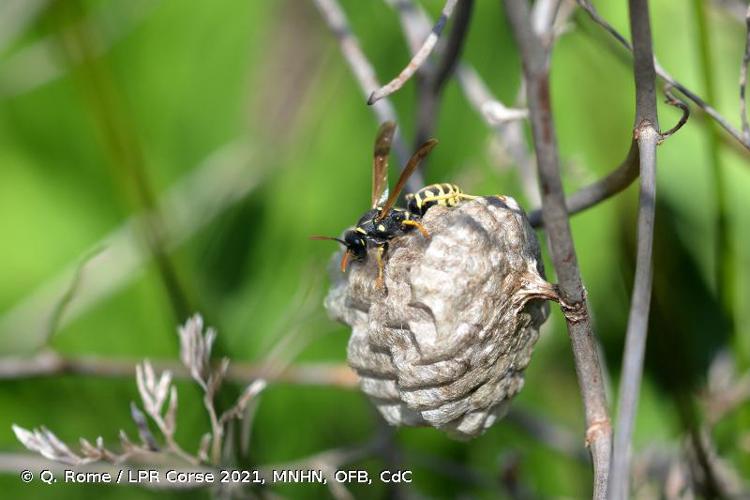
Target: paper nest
column 446, row 342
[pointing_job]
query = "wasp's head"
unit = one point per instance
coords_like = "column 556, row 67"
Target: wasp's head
column 355, row 243
column 356, row 247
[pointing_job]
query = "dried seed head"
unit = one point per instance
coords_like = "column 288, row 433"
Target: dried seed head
column 445, row 344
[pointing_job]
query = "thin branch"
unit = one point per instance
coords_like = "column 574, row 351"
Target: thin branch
column 506, row 122
column 454, row 46
column 673, row 101
column 69, row 294
column 743, row 79
column 495, row 113
column 430, row 87
column 49, row 363
column 664, row 75
column 535, row 60
column 364, row 72
column 419, row 58
column 619, row 179
column 543, row 14
column 503, row 120
column 599, row 191
column 647, row 136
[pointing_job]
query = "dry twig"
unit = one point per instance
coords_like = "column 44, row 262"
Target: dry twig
column 743, row 79
column 620, row 178
column 419, row 58
column 647, row 136
column 364, row 72
column 503, row 120
column 49, row 363
column 430, row 86
column 664, row 75
column 536, row 75
column 156, row 392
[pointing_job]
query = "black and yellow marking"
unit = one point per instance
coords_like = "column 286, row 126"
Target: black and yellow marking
column 445, row 194
column 384, row 221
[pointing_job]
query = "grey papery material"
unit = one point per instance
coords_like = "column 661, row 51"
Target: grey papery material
column 446, row 342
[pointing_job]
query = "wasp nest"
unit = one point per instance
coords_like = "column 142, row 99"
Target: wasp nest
column 445, row 342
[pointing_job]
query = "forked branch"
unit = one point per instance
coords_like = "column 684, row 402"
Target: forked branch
column 647, row 136
column 419, row 58
column 535, row 59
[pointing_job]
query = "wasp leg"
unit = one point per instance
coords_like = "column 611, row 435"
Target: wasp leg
column 416, row 224
column 379, row 281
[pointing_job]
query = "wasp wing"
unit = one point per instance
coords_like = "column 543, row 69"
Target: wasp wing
column 383, row 141
column 409, row 169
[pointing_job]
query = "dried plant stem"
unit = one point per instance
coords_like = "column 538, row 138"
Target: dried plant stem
column 419, row 58
column 743, row 79
column 664, row 75
column 364, row 72
column 599, row 191
column 430, row 87
column 588, row 367
column 506, row 122
column 217, row 430
column 503, row 120
column 49, row 363
column 619, row 179
column 172, row 444
column 647, row 137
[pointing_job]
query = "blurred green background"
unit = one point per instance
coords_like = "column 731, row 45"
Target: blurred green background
column 249, row 109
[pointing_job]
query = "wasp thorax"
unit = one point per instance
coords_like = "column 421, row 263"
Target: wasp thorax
column 445, row 342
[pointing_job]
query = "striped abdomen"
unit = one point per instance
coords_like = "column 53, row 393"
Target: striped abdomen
column 435, row 194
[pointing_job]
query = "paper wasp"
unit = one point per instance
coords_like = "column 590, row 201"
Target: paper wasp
column 384, row 221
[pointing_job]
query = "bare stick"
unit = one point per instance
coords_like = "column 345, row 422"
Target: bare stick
column 601, row 190
column 495, row 113
column 588, row 367
column 673, row 101
column 743, row 79
column 336, row 20
column 664, row 75
column 419, row 58
column 430, row 88
column 620, row 178
column 647, row 136
column 500, row 118
column 49, row 363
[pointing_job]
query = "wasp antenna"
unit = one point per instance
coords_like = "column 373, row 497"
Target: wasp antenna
column 318, row 237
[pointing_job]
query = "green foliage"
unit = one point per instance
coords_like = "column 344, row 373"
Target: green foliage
column 187, row 78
